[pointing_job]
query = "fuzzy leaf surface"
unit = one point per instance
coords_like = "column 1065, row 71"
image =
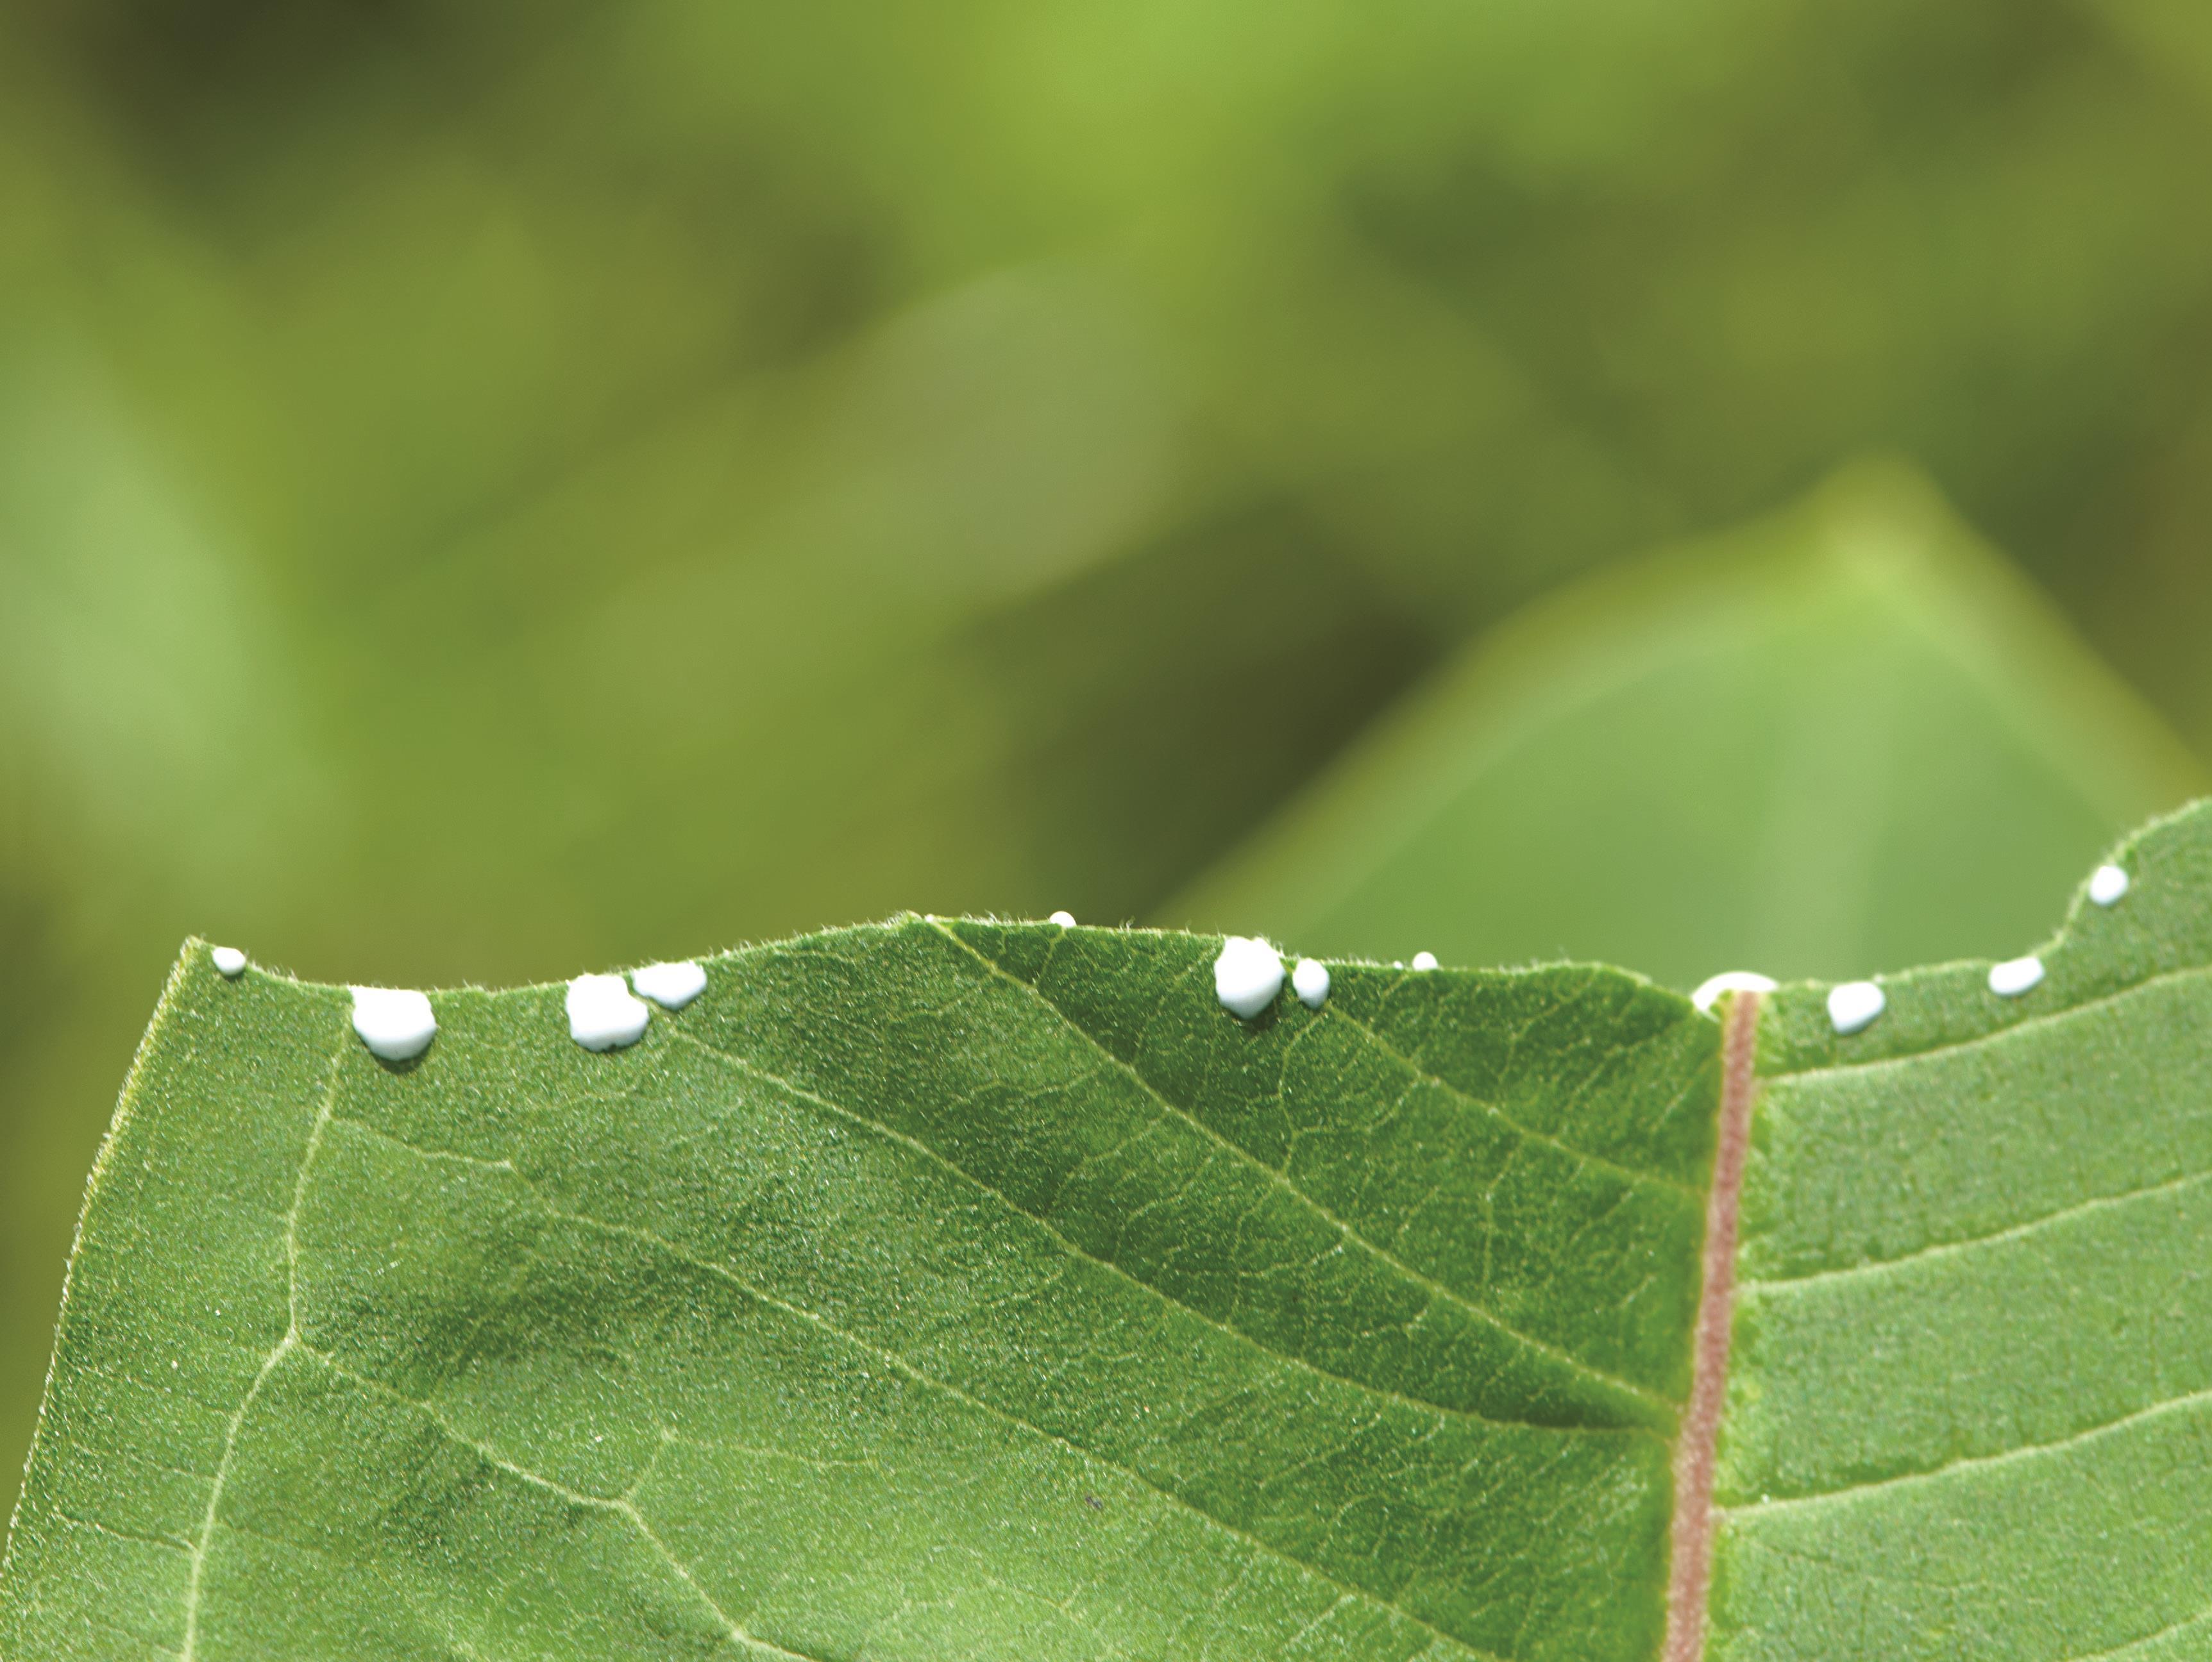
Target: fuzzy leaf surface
column 1970, row 1403
column 971, row 1289
column 925, row 1290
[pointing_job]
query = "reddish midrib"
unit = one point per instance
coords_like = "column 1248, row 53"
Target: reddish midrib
column 1692, row 1544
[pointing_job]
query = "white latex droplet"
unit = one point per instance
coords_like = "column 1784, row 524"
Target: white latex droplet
column 1729, row 981
column 2107, row 884
column 2015, row 976
column 670, row 985
column 602, row 1014
column 1854, row 1005
column 1310, row 980
column 229, row 960
column 394, row 1023
column 1065, row 919
column 1246, row 975
column 1425, row 960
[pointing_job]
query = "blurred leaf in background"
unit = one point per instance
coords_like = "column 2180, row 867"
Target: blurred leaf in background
column 490, row 490
column 1840, row 741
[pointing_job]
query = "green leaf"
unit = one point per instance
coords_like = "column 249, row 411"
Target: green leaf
column 1845, row 739
column 940, row 1290
column 469, row 377
column 973, row 1289
column 1971, row 1408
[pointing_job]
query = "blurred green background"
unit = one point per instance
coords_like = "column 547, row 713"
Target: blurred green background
column 491, row 490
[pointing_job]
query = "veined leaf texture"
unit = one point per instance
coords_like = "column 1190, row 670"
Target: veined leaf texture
column 968, row 1289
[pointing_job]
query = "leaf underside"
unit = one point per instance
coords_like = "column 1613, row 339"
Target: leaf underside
column 941, row 1290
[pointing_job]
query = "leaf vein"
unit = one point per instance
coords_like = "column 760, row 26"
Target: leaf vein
column 2166, row 1632
column 2009, row 1233
column 1450, row 1294
column 197, row 1564
column 620, row 1505
column 1995, row 1034
column 905, row 1366
column 868, row 1122
column 1629, row 1175
column 1965, row 1463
